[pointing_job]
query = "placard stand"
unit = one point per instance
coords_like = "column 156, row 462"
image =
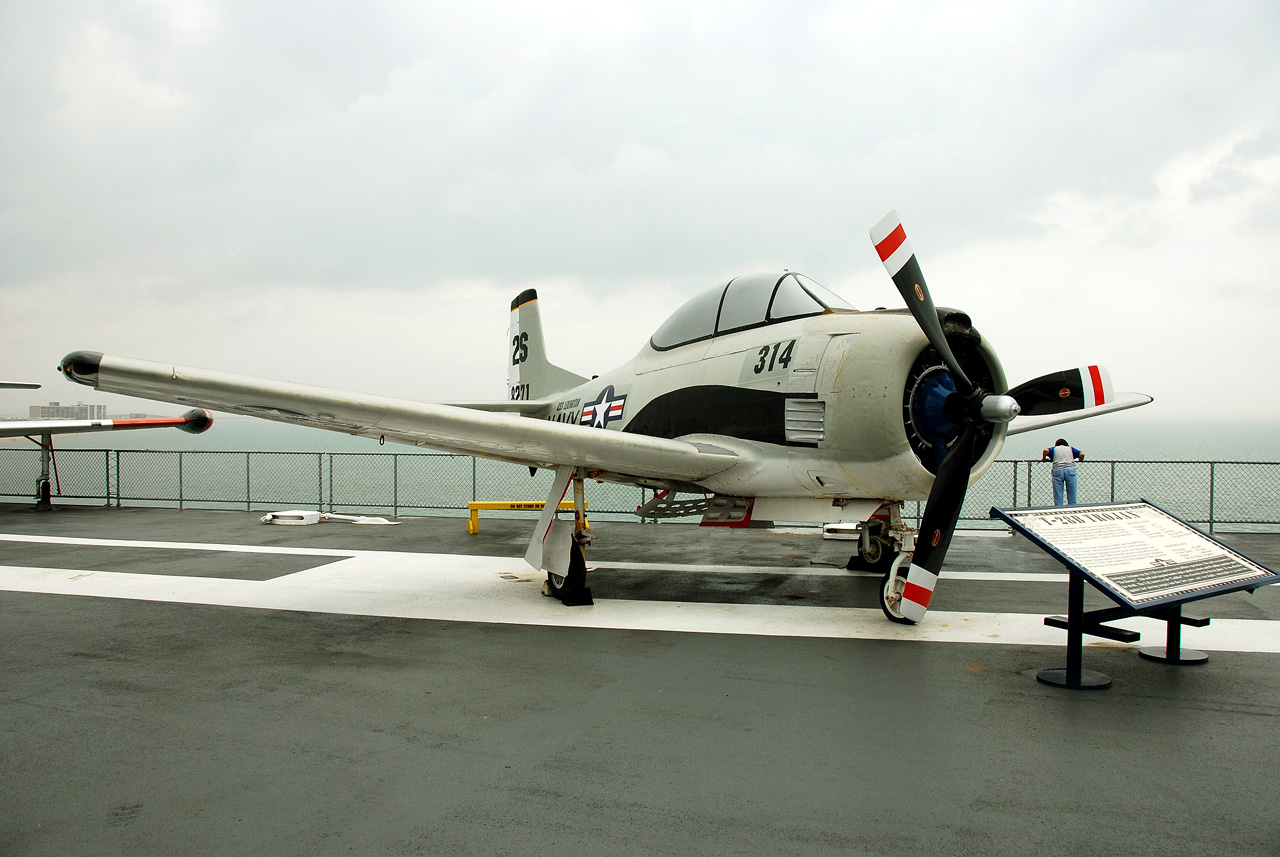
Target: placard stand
column 1172, row 652
column 1147, row 561
column 1078, row 623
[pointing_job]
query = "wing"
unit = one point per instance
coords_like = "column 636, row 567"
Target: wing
column 504, row 436
column 1119, row 402
column 193, row 421
column 18, row 385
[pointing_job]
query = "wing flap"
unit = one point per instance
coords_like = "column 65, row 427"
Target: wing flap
column 504, row 436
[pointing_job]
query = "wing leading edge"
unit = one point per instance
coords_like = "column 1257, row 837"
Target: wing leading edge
column 504, row 436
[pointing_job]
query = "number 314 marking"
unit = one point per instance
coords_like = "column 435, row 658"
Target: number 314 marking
column 770, row 357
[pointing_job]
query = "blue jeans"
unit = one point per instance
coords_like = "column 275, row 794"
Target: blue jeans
column 1065, row 478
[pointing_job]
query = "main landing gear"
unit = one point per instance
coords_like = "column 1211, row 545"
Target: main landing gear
column 571, row 587
column 557, row 546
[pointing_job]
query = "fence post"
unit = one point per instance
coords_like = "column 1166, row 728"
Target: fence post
column 1029, row 463
column 1211, row 486
column 106, row 474
column 1113, row 482
column 331, row 483
column 395, row 484
column 319, row 481
column 117, row 479
column 180, row 492
column 247, row 485
column 473, row 478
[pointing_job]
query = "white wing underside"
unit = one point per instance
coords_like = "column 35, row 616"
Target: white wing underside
column 504, row 436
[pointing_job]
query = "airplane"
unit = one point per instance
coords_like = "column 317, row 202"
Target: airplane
column 193, row 421
column 765, row 398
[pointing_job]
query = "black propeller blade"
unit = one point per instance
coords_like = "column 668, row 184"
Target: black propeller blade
column 969, row 406
column 900, row 261
column 1068, row 390
column 942, row 510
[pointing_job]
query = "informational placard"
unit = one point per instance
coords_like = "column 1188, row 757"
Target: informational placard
column 1138, row 552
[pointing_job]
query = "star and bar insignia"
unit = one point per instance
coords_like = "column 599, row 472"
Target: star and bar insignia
column 605, row 408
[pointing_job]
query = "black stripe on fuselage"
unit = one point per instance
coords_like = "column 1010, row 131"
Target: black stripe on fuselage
column 758, row 415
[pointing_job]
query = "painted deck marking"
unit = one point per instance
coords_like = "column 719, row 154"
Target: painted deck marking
column 503, row 590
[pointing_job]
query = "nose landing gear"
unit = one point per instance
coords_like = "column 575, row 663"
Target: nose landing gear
column 881, row 543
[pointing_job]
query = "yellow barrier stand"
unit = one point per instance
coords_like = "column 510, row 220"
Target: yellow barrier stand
column 474, row 507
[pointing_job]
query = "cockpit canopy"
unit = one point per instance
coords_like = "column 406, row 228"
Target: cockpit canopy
column 754, row 300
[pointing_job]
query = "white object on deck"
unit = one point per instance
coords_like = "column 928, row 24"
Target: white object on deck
column 292, row 518
column 303, row 517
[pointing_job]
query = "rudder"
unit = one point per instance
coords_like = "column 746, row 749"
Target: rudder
column 529, row 374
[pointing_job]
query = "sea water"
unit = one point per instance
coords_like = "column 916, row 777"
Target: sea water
column 1113, row 437
column 413, row 484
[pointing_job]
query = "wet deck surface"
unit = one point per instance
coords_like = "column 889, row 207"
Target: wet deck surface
column 196, row 682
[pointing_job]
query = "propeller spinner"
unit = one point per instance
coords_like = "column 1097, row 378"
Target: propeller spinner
column 968, row 408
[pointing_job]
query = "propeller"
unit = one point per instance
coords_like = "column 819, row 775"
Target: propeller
column 965, row 410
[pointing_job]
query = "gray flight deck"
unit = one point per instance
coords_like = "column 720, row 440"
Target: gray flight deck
column 338, row 689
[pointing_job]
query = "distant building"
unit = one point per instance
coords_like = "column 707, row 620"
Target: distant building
column 78, row 411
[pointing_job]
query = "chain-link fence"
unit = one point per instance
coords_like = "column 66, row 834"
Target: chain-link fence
column 379, row 483
column 1238, row 495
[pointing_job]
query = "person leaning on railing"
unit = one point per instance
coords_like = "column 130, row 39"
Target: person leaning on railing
column 1064, row 457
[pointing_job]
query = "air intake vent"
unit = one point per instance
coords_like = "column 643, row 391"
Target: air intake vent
column 806, row 420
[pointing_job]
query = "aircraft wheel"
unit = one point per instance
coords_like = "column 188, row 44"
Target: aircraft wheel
column 890, row 601
column 555, row 584
column 879, row 558
column 571, row 587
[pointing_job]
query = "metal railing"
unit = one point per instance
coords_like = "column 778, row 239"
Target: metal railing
column 1214, row 494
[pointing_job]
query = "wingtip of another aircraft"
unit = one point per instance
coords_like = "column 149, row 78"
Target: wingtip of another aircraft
column 198, row 421
column 82, row 367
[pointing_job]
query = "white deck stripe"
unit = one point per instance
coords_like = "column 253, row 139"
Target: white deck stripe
column 505, row 591
column 185, row 546
column 811, row 570
column 819, row 571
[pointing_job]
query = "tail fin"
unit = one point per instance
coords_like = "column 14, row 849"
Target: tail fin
column 529, row 375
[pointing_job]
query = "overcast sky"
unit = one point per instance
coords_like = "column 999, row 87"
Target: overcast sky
column 351, row 194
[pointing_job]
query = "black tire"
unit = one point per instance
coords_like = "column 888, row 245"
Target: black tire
column 882, row 563
column 571, row 589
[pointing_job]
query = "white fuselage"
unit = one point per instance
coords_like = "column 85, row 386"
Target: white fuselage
column 825, row 422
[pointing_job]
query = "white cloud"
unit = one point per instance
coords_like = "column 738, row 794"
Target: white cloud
column 1175, row 291
column 258, row 172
